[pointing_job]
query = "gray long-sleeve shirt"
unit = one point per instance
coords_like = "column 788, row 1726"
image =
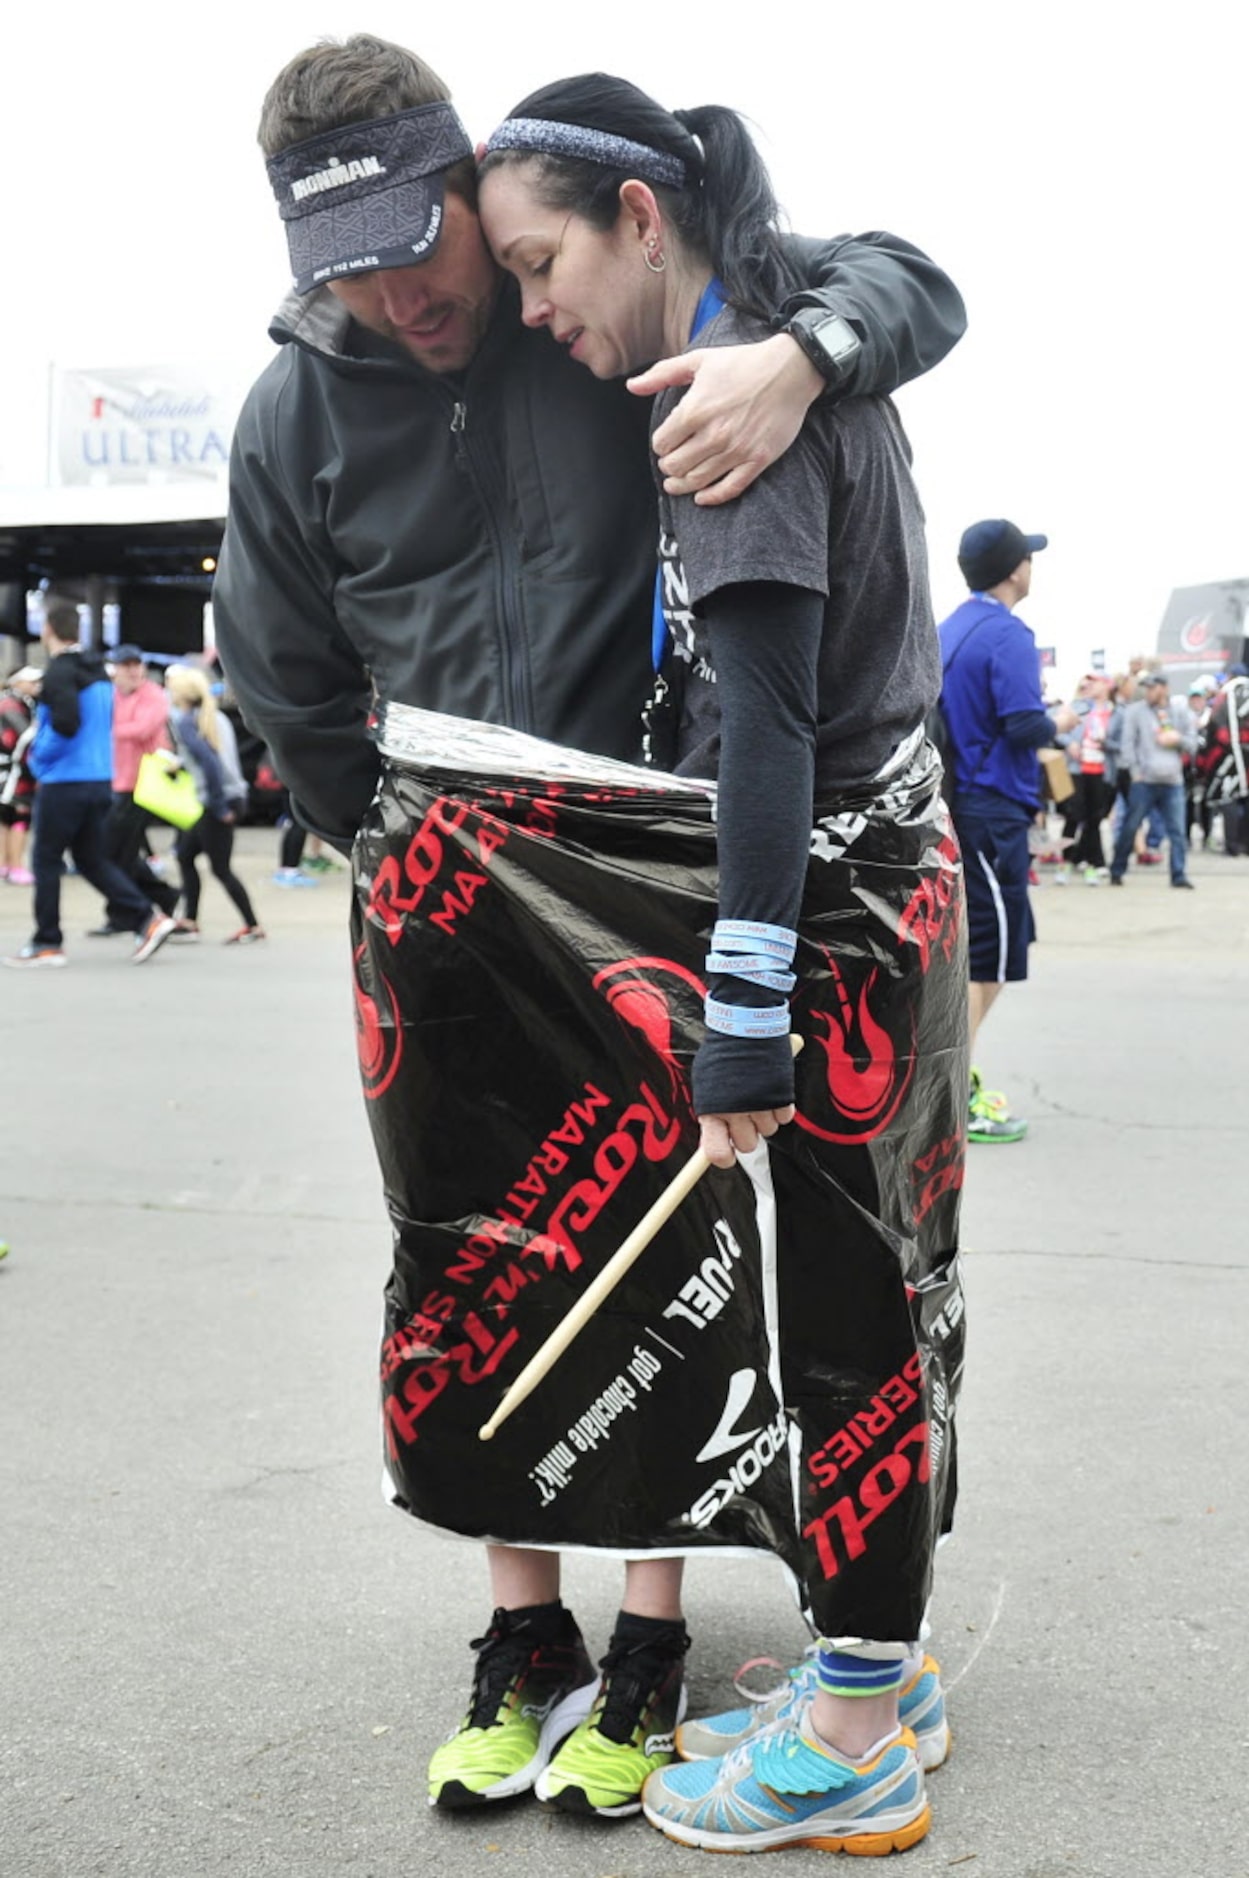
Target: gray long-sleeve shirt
column 1140, row 752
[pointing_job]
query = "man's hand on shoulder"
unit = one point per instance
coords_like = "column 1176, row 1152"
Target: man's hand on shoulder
column 744, row 407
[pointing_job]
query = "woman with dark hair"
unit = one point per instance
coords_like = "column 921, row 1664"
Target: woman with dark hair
column 797, row 658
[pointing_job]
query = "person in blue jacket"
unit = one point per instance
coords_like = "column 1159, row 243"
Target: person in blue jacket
column 72, row 758
column 991, row 698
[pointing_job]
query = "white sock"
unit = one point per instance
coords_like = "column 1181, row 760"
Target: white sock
column 912, row 1666
column 856, row 1760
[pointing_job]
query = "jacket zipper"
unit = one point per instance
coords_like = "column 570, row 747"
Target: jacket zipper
column 511, row 637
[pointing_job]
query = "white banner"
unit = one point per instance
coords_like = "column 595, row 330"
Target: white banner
column 142, row 424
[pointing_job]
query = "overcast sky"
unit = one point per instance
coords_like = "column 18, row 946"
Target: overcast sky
column 1078, row 170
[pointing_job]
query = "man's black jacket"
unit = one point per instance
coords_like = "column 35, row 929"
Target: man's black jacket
column 482, row 545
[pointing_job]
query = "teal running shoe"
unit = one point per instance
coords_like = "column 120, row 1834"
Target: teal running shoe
column 921, row 1708
column 784, row 1789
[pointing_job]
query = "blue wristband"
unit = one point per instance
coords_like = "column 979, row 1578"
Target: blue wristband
column 747, row 1020
column 752, row 935
column 755, row 970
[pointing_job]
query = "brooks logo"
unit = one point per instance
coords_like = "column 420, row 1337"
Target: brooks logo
column 756, row 1451
column 726, row 1437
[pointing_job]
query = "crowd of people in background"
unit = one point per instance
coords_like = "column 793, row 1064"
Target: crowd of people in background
column 1124, row 752
column 73, row 738
column 1137, row 797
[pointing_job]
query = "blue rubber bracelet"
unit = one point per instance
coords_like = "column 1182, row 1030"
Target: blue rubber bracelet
column 741, row 935
column 747, row 1020
column 755, row 971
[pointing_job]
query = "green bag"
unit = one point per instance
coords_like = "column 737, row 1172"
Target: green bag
column 165, row 789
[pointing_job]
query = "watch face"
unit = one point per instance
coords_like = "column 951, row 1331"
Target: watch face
column 836, row 337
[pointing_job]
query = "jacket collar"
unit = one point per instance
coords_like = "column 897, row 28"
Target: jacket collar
column 316, row 320
column 320, row 323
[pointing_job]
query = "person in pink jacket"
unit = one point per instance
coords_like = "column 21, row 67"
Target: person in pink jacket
column 140, row 724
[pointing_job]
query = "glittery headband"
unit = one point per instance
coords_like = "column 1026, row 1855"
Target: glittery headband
column 548, row 138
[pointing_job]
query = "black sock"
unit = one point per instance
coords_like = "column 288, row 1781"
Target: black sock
column 545, row 1623
column 632, row 1632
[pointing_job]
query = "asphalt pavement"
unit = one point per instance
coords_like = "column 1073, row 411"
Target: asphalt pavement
column 221, row 1654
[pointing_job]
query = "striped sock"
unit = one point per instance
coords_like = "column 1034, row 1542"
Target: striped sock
column 849, row 1673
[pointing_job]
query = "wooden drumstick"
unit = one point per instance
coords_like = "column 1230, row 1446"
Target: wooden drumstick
column 548, row 1354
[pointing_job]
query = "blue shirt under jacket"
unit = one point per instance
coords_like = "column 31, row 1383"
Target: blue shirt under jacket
column 990, row 673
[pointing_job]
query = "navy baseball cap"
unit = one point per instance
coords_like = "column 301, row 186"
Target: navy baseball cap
column 125, row 655
column 989, row 551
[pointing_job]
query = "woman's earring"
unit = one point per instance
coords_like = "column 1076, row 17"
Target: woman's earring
column 656, row 261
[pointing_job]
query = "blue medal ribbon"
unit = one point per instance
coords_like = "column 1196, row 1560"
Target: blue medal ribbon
column 711, row 301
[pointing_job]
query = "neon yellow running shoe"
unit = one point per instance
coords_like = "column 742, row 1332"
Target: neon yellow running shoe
column 630, row 1732
column 986, row 1101
column 988, row 1116
column 527, row 1695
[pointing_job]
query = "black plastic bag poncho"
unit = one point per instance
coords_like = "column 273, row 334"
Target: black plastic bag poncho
column 778, row 1371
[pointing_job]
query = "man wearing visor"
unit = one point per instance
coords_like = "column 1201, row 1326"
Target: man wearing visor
column 369, row 214
column 432, row 505
column 430, row 500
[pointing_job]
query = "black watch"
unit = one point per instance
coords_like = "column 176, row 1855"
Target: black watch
column 830, row 342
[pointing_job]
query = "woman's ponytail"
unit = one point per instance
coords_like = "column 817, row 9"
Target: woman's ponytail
column 739, row 214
